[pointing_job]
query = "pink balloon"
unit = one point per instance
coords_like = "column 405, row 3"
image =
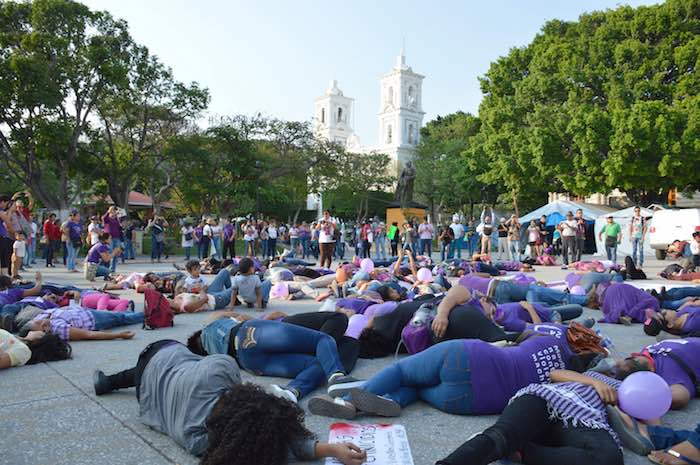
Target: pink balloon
column 425, row 275
column 644, row 395
column 367, row 265
column 578, row 290
column 279, row 291
column 356, row 324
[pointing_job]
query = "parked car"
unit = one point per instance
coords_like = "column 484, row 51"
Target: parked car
column 670, row 225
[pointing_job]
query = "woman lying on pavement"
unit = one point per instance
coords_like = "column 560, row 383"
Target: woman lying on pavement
column 201, row 404
column 625, row 304
column 563, row 422
column 463, row 377
column 35, row 347
column 684, row 322
column 78, row 324
column 274, row 348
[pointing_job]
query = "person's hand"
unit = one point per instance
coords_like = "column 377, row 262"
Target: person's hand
column 275, row 315
column 126, row 335
column 37, row 277
column 607, row 393
column 439, row 326
column 349, row 454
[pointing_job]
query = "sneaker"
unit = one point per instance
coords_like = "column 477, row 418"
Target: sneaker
column 372, row 404
column 250, row 305
column 326, row 406
column 283, row 393
column 339, row 385
column 101, row 383
column 625, row 320
column 589, row 323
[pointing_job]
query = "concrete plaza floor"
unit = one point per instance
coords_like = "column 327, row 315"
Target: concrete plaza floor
column 49, row 414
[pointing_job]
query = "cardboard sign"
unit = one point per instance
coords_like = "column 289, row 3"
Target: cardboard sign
column 385, row 444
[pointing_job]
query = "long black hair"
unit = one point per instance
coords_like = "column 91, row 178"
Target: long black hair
column 49, row 348
column 194, row 343
column 248, row 425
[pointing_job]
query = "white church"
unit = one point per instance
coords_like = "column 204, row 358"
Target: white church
column 400, row 115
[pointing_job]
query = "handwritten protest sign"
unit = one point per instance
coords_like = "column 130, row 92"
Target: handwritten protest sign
column 385, row 444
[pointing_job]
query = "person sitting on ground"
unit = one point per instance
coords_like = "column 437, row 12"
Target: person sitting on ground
column 463, row 377
column 202, row 405
column 35, row 347
column 275, row 348
column 547, row 258
column 100, row 256
column 77, row 324
column 626, row 304
column 193, row 282
column 677, row 249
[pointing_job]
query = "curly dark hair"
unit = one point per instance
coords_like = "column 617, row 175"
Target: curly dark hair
column 248, row 425
column 49, row 348
column 194, row 343
column 373, row 345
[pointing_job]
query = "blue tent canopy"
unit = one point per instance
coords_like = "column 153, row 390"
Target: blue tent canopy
column 556, row 212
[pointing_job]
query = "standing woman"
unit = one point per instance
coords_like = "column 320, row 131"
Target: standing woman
column 446, row 237
column 197, row 236
column 264, row 238
column 230, row 239
column 486, row 227
column 206, row 238
column 326, row 242
column 217, row 238
column 249, row 239
column 514, row 238
column 394, row 236
column 304, row 235
column 380, row 240
column 52, row 234
column 74, row 241
column 187, row 233
column 157, row 226
column 502, row 239
column 6, row 234
column 533, row 239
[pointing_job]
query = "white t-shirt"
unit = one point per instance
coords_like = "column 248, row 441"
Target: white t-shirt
column 187, row 230
column 272, row 232
column 35, row 228
column 187, row 298
column 207, row 231
column 94, row 233
column 568, row 228
column 695, row 247
column 294, row 233
column 325, row 234
column 17, row 350
column 458, row 230
column 19, row 248
column 216, row 231
column 194, row 284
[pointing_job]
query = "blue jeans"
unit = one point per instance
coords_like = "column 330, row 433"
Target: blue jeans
column 71, row 256
column 665, row 438
column 272, row 348
column 156, row 248
column 188, row 252
column 439, row 375
column 473, row 243
column 221, row 289
column 567, row 312
column 107, row 320
column 304, row 247
column 549, row 296
column 102, row 270
column 380, row 248
column 514, row 250
column 216, row 243
column 444, row 251
column 129, row 252
column 507, row 291
column 296, row 261
column 456, row 248
column 115, row 243
column 638, row 246
column 11, row 309
column 293, row 245
column 611, row 252
column 339, row 249
column 271, row 247
column 589, row 279
column 425, row 247
column 677, row 296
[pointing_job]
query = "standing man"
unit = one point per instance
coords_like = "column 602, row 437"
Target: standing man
column 580, row 234
column 568, row 229
column 514, row 238
column 425, row 233
column 272, row 234
column 326, row 240
column 113, row 227
column 613, row 236
column 638, row 231
column 458, row 230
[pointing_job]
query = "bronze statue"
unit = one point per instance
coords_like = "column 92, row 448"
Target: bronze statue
column 404, row 188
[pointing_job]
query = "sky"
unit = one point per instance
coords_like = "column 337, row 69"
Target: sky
column 276, row 57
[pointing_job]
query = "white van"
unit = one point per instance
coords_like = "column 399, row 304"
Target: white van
column 670, row 225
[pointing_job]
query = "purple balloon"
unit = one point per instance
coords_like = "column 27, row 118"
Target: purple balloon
column 644, row 395
column 367, row 265
column 577, row 290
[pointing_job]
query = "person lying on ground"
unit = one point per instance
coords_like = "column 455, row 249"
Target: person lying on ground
column 515, row 316
column 625, row 304
column 35, row 347
column 210, row 265
column 9, row 295
column 463, row 377
column 673, row 299
column 202, row 405
column 683, row 322
column 77, row 324
column 566, row 421
column 273, row 348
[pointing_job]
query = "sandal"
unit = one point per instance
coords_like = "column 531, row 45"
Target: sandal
column 678, row 459
column 631, row 437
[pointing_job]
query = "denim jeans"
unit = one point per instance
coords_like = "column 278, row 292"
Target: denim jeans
column 271, row 248
column 129, row 252
column 549, row 296
column 304, row 247
column 216, row 243
column 456, row 248
column 677, row 296
column 156, row 248
column 444, row 251
column 588, row 280
column 473, row 243
column 72, row 255
column 115, row 243
column 426, row 246
column 107, row 320
column 507, row 291
column 439, row 375
column 102, row 270
column 665, row 438
column 638, row 246
column 514, row 250
column 272, row 348
column 263, row 246
column 204, row 244
column 221, row 289
column 567, row 311
column 11, row 309
column 188, row 252
column 340, row 249
column 611, row 252
column 380, row 248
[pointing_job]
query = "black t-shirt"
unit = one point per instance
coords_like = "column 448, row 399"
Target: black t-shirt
column 390, row 325
column 502, row 230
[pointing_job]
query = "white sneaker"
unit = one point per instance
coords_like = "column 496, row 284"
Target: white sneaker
column 282, row 393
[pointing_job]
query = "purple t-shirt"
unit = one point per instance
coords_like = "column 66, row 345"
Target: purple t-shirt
column 228, row 232
column 498, row 373
column 686, row 349
column 38, row 302
column 513, row 317
column 74, row 230
column 692, row 323
column 11, row 296
column 623, row 299
column 552, row 329
column 355, row 304
column 112, row 226
column 96, row 251
column 475, row 283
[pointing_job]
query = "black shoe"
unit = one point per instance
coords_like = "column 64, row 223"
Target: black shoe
column 101, row 383
column 250, row 305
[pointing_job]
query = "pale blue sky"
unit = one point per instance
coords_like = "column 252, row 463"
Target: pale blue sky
column 277, row 56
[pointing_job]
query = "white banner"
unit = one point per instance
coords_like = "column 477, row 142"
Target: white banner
column 385, row 444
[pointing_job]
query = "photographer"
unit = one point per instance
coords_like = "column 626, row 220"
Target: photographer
column 100, row 256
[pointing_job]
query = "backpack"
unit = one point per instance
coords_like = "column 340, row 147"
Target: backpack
column 157, row 311
column 417, row 335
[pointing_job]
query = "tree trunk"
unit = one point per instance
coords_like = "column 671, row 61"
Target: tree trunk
column 515, row 203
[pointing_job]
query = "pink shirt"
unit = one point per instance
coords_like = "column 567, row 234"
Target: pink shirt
column 425, row 231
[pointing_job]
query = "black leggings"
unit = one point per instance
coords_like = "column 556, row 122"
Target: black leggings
column 6, row 252
column 229, row 249
column 525, row 425
column 469, row 323
column 132, row 377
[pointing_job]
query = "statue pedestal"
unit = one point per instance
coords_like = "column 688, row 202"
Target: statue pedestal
column 413, row 210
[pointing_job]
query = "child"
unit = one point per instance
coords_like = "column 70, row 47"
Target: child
column 194, row 281
column 19, row 250
column 248, row 288
column 547, row 258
